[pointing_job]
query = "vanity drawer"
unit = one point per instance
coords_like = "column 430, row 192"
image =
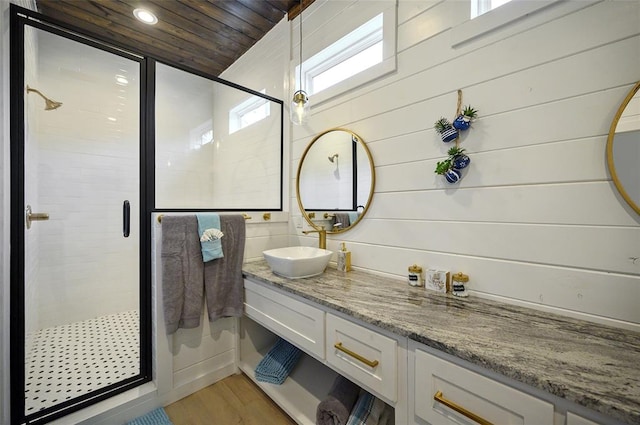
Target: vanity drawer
column 477, row 394
column 363, row 355
column 295, row 321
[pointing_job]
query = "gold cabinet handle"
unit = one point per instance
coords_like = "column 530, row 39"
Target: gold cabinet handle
column 370, row 363
column 450, row 404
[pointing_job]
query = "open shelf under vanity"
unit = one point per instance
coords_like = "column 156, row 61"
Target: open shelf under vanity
column 308, row 384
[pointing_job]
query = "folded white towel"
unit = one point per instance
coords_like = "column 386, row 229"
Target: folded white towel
column 211, row 235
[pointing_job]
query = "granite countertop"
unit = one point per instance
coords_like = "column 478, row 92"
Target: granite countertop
column 592, row 365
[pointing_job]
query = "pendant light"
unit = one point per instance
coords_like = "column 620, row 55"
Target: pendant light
column 300, row 107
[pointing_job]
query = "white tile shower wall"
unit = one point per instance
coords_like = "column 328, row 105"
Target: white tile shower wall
column 246, row 168
column 183, row 104
column 261, row 69
column 87, row 167
column 236, row 170
column 536, row 220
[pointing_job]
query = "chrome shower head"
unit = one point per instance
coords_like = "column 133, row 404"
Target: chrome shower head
column 333, row 157
column 49, row 105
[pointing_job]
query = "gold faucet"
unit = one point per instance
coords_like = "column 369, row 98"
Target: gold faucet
column 322, row 236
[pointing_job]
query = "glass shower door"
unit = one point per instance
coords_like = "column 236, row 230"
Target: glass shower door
column 81, row 234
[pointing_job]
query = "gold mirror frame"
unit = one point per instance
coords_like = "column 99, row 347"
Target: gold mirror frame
column 612, row 132
column 373, row 180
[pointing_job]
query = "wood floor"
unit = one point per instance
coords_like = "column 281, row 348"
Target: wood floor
column 233, row 400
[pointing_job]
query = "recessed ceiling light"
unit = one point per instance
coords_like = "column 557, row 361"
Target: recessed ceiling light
column 143, row 15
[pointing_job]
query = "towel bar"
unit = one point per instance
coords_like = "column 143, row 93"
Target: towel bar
column 246, row 217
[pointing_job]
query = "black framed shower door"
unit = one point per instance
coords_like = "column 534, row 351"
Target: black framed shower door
column 80, row 230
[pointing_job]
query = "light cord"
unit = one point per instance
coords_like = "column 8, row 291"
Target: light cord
column 300, row 70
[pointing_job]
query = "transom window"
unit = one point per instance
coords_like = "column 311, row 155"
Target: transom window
column 201, row 135
column 249, row 112
column 478, row 7
column 359, row 50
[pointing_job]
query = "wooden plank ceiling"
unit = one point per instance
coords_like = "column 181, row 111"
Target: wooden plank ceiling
column 204, row 35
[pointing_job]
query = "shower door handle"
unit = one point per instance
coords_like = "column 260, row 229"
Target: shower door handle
column 31, row 216
column 126, row 219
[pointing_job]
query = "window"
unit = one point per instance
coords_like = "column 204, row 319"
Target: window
column 201, row 135
column 249, row 112
column 505, row 17
column 359, row 50
column 478, row 7
column 347, row 50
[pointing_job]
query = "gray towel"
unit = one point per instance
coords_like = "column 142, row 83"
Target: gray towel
column 342, row 218
column 336, row 408
column 223, row 277
column 182, row 272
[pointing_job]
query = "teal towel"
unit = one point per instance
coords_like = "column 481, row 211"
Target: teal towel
column 353, row 216
column 211, row 250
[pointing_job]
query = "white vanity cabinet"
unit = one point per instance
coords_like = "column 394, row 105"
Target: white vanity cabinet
column 342, row 326
column 270, row 314
column 297, row 322
column 443, row 392
column 363, row 355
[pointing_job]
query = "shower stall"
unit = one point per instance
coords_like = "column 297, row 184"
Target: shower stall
column 80, row 310
column 101, row 138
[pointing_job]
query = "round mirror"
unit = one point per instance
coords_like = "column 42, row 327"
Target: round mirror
column 335, row 180
column 623, row 149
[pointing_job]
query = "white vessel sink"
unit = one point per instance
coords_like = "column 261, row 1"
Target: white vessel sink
column 296, row 262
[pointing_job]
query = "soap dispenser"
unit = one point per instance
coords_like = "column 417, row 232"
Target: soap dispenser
column 344, row 259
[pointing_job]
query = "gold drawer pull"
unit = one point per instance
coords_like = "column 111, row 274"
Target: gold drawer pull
column 450, row 404
column 370, row 363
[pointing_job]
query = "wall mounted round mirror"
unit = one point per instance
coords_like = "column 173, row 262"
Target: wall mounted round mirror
column 335, row 180
column 623, row 149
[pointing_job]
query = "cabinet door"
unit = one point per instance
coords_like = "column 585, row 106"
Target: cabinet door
column 363, row 355
column 295, row 321
column 459, row 389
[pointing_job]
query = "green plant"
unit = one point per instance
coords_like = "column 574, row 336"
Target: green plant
column 442, row 125
column 455, row 151
column 443, row 166
column 469, row 112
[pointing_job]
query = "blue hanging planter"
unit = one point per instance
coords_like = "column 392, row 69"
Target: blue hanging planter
column 452, row 176
column 462, row 123
column 460, row 161
column 449, row 135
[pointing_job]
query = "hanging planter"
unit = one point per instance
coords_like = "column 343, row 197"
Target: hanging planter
column 451, row 167
column 452, row 176
column 446, row 130
column 445, row 168
column 459, row 159
column 463, row 121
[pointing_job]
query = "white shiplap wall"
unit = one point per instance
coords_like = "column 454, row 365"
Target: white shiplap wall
column 536, row 220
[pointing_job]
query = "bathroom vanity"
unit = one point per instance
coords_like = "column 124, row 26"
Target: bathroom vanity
column 435, row 358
